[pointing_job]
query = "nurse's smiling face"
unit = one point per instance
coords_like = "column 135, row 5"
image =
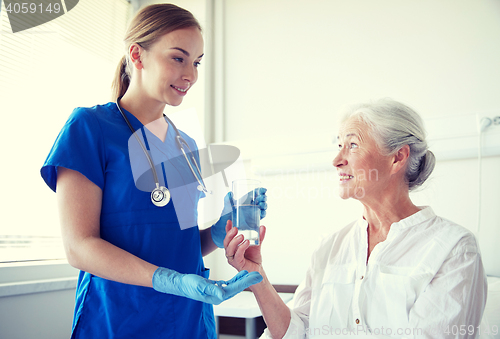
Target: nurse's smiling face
column 363, row 171
column 170, row 67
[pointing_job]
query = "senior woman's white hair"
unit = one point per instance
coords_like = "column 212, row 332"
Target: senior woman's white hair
column 394, row 125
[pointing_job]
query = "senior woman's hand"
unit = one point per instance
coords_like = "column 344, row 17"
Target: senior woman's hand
column 239, row 253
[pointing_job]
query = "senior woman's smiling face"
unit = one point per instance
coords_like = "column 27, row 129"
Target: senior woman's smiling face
column 363, row 171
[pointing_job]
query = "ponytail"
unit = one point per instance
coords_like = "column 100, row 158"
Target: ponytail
column 121, row 81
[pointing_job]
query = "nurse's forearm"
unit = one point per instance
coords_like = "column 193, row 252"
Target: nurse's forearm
column 101, row 258
column 274, row 311
column 207, row 244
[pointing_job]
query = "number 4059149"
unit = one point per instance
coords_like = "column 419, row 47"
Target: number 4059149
column 470, row 330
column 32, row 8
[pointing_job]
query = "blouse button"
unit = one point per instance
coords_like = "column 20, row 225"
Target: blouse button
column 357, row 321
column 362, row 277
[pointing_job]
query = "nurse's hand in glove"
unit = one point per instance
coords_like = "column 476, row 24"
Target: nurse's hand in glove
column 239, row 253
column 198, row 288
column 219, row 228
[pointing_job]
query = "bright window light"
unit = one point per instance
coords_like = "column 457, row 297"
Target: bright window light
column 45, row 72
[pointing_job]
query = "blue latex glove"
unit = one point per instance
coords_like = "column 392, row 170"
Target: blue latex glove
column 218, row 230
column 196, row 287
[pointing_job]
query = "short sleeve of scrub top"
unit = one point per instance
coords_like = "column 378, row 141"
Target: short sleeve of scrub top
column 79, row 136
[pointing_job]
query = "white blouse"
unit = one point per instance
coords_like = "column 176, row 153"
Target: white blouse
column 426, row 280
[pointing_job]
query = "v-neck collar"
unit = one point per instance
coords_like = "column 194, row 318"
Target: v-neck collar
column 152, row 139
column 164, row 147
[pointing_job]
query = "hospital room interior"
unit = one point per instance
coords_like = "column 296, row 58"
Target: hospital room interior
column 274, row 77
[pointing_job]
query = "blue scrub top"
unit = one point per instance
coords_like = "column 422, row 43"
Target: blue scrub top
column 94, row 141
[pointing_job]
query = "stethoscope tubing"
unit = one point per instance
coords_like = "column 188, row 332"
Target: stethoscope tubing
column 180, row 142
column 155, row 175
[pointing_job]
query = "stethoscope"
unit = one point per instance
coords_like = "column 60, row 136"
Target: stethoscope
column 160, row 196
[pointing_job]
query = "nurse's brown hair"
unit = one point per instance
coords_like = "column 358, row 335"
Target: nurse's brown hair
column 149, row 24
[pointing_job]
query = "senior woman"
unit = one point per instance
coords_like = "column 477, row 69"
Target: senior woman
column 399, row 270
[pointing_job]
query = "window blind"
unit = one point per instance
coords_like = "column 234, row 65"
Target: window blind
column 45, row 72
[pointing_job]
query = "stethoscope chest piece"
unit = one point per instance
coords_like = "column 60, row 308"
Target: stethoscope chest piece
column 160, row 196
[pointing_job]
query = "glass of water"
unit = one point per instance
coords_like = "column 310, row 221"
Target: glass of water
column 246, row 214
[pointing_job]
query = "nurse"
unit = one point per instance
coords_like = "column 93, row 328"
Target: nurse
column 142, row 276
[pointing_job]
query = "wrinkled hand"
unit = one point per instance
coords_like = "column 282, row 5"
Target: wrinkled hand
column 239, row 253
column 198, row 288
column 218, row 229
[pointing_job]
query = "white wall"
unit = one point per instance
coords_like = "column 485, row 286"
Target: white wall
column 37, row 300
column 290, row 66
column 39, row 315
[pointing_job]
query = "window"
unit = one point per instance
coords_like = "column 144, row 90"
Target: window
column 45, row 72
